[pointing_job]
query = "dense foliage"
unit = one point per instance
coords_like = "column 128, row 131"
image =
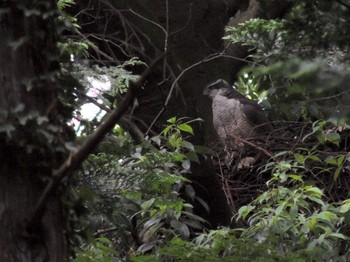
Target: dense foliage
column 137, row 201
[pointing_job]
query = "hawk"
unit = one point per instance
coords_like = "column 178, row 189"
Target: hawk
column 234, row 115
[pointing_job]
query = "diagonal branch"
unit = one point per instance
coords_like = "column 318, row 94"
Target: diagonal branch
column 75, row 159
column 127, row 124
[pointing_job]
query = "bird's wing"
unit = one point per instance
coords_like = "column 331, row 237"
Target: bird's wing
column 256, row 116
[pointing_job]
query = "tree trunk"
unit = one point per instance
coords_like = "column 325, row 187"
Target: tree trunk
column 28, row 142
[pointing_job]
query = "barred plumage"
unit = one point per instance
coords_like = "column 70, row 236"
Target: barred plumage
column 234, row 115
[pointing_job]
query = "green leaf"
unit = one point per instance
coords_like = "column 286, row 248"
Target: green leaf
column 145, row 247
column 188, row 145
column 147, row 204
column 294, row 211
column 190, row 192
column 312, row 223
column 279, row 209
column 315, row 158
column 338, row 235
column 193, row 216
column 186, row 128
column 316, row 200
column 172, row 120
column 166, row 130
column 203, row 203
column 182, row 228
column 300, row 158
column 337, row 173
column 314, row 191
column 244, row 211
column 157, row 140
column 151, row 222
column 332, row 160
column 192, row 156
column 296, row 177
column 203, row 150
column 327, row 215
column 341, row 159
column 345, row 207
column 333, row 138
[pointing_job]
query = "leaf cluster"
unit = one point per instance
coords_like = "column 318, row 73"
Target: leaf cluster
column 142, row 191
column 300, row 62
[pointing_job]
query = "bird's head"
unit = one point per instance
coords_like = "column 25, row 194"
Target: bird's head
column 217, row 87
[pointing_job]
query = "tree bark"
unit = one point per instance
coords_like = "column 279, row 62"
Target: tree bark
column 29, row 112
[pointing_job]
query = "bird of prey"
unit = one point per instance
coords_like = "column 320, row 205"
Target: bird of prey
column 234, row 115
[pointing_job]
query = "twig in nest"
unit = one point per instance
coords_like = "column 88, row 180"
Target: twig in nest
column 263, row 150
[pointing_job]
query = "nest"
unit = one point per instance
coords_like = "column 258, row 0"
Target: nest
column 241, row 171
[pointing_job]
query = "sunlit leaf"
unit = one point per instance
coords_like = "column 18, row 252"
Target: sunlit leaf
column 186, row 128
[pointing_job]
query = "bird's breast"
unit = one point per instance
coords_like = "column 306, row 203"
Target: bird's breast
column 229, row 119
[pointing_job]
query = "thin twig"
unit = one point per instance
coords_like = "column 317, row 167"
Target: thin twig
column 328, row 97
column 343, row 4
column 227, row 190
column 105, row 231
column 267, row 153
column 207, row 59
